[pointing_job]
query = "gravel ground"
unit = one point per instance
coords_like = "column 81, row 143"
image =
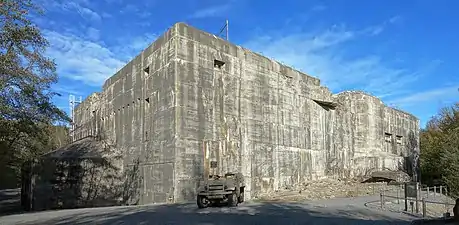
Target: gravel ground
column 332, row 211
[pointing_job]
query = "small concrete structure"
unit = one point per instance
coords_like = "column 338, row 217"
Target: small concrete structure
column 85, row 173
column 190, row 93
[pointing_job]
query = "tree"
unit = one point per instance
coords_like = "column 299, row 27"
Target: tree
column 26, row 75
column 440, row 149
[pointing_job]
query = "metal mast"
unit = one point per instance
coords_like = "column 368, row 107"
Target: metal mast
column 72, row 104
column 225, row 27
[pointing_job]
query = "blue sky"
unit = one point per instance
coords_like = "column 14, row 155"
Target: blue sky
column 404, row 52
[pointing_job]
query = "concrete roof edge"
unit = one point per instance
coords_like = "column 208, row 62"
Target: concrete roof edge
column 179, row 24
column 370, row 95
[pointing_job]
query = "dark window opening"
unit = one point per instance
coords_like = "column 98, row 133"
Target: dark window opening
column 138, row 99
column 146, row 71
column 218, row 63
column 147, row 100
column 399, row 139
column 388, row 137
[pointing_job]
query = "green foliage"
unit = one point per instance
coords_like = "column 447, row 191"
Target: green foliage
column 27, row 113
column 440, row 149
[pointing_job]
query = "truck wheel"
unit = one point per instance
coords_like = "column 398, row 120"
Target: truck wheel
column 241, row 197
column 232, row 200
column 202, row 202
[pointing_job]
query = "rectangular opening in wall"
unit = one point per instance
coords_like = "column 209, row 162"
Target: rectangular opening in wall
column 146, row 71
column 218, row 63
column 399, row 139
column 147, row 100
column 387, row 137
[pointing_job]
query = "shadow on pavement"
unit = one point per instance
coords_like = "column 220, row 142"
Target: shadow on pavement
column 251, row 213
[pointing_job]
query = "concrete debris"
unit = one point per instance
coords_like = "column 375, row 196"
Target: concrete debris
column 327, row 189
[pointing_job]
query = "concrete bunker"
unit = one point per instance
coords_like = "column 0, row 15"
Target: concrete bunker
column 190, row 90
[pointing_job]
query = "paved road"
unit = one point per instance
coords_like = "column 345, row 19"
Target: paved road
column 335, row 211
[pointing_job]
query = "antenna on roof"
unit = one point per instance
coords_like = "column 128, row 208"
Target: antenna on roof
column 221, row 30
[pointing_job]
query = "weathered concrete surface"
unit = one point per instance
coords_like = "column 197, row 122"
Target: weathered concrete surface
column 10, row 201
column 344, row 211
column 85, row 173
column 279, row 127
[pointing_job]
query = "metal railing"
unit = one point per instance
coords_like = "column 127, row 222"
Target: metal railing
column 428, row 203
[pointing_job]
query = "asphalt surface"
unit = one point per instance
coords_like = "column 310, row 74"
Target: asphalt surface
column 334, row 211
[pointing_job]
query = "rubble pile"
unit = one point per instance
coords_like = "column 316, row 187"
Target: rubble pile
column 327, row 189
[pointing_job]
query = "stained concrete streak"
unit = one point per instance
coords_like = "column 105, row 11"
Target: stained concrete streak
column 191, row 92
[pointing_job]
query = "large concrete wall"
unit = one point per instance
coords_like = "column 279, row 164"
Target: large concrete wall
column 135, row 111
column 276, row 125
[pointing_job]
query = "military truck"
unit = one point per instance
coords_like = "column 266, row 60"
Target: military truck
column 217, row 189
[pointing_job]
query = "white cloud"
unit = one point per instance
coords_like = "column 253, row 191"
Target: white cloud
column 80, row 59
column 64, row 90
column 447, row 94
column 325, row 55
column 129, row 8
column 93, row 33
column 135, row 46
column 90, row 62
column 212, row 11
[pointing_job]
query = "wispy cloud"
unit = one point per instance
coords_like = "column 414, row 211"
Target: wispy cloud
column 326, row 54
column 106, row 15
column 93, row 33
column 445, row 94
column 135, row 46
column 74, row 6
column 129, row 8
column 395, row 19
column 64, row 90
column 137, row 10
column 79, row 58
column 212, row 11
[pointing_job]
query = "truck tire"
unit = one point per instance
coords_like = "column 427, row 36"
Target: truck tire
column 232, row 200
column 202, row 202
